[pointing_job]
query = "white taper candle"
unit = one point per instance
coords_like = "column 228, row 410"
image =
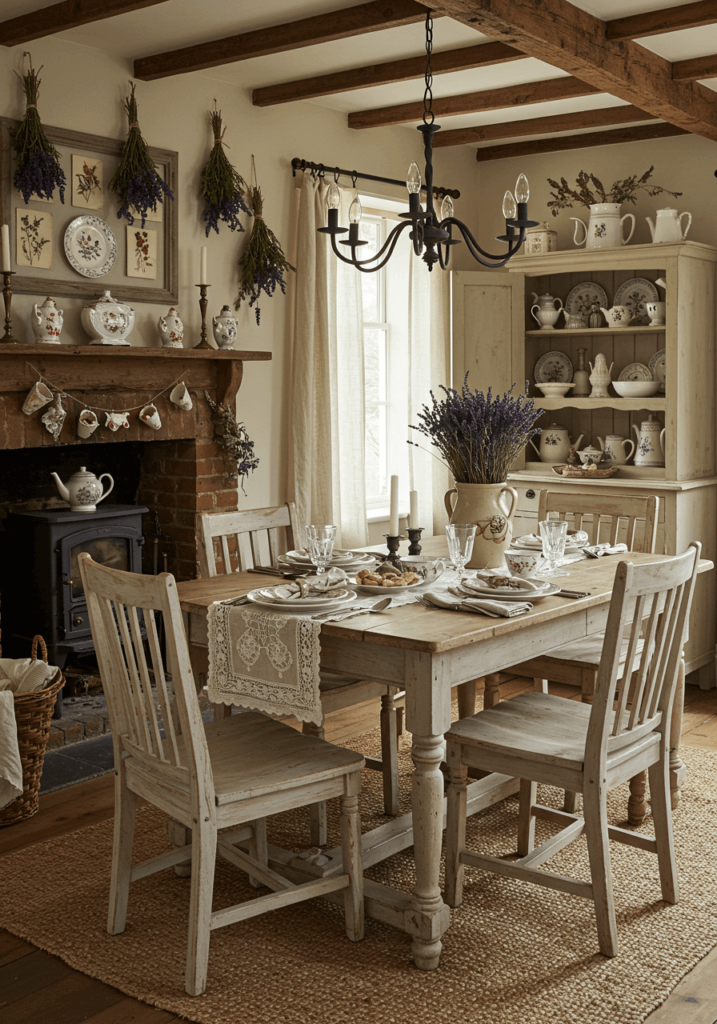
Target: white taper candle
column 393, row 523
column 6, row 263
column 203, row 265
column 413, row 514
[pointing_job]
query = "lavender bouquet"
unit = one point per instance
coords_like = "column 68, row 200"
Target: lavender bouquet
column 263, row 263
column 136, row 182
column 222, row 187
column 37, row 170
column 233, row 438
column 478, row 436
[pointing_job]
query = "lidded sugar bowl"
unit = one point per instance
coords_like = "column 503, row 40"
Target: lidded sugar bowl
column 107, row 321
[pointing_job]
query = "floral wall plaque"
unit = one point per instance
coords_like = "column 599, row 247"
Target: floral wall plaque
column 87, row 182
column 141, row 252
column 33, row 238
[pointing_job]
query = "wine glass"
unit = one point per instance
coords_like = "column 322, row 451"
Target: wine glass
column 460, row 544
column 321, row 546
column 553, row 533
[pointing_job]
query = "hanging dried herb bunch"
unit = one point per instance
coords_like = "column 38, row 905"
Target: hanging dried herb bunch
column 222, row 185
column 233, row 438
column 263, row 263
column 38, row 169
column 590, row 190
column 135, row 182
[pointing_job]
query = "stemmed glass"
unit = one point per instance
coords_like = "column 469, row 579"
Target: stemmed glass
column 553, row 533
column 321, row 546
column 460, row 544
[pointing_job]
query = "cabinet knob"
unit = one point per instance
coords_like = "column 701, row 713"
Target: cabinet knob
column 530, row 494
column 78, row 620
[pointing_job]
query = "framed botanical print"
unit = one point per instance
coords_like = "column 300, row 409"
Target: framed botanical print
column 80, row 248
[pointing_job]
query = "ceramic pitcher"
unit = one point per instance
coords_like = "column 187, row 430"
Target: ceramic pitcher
column 481, row 504
column 614, row 447
column 604, row 228
column 668, row 225
column 547, row 312
column 171, row 329
column 47, row 322
column 650, row 449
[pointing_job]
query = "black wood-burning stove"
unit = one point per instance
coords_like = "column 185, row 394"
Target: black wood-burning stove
column 39, row 577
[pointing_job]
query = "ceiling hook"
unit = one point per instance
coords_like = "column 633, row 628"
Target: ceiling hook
column 337, row 172
column 354, row 178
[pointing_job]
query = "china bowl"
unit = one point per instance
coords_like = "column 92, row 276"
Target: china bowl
column 524, row 563
column 554, row 390
column 636, row 388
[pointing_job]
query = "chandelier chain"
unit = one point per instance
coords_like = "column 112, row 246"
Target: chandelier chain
column 428, row 115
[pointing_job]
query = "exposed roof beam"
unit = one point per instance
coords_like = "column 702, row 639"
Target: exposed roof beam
column 68, row 14
column 472, row 102
column 386, row 74
column 669, row 19
column 694, row 68
column 567, row 37
column 541, row 125
column 617, row 136
column 322, row 28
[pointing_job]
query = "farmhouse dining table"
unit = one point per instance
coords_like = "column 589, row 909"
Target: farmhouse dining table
column 427, row 651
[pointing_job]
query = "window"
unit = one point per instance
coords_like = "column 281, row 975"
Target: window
column 376, row 339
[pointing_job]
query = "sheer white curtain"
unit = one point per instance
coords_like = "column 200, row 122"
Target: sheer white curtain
column 327, row 402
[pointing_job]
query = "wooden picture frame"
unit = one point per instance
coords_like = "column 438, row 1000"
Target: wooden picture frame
column 26, row 280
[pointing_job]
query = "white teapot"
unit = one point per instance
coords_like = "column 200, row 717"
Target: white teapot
column 618, row 316
column 47, row 322
column 83, row 491
column 548, row 313
column 614, row 447
column 555, row 443
column 650, row 450
column 668, row 225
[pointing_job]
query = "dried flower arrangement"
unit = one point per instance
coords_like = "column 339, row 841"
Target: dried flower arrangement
column 624, row 191
column 233, row 438
column 37, row 170
column 478, row 436
column 136, row 182
column 263, row 263
column 222, row 187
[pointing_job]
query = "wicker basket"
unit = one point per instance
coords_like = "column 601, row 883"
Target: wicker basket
column 33, row 712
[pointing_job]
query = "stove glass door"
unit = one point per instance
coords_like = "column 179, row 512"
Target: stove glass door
column 114, row 552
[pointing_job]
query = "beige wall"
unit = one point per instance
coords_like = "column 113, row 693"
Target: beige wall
column 83, row 88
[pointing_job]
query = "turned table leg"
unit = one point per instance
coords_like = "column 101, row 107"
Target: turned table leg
column 677, row 768
column 637, row 803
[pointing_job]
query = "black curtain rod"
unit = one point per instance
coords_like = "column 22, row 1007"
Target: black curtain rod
column 302, row 165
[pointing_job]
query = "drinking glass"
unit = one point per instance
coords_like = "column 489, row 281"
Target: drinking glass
column 460, row 544
column 321, row 546
column 553, row 533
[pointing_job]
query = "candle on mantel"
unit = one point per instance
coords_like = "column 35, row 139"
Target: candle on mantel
column 6, row 263
column 203, row 265
column 393, row 523
column 413, row 514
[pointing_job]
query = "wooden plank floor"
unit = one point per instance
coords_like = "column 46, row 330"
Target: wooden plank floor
column 36, row 988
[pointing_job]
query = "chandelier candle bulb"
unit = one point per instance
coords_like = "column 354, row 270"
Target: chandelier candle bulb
column 413, row 514
column 413, row 179
column 6, row 264
column 393, row 516
column 203, row 265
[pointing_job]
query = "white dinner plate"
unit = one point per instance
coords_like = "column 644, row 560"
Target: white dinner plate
column 90, row 246
column 366, row 588
column 519, row 545
column 584, row 296
column 514, row 595
column 657, row 368
column 264, row 598
column 635, row 294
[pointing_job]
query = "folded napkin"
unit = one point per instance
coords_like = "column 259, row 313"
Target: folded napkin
column 10, row 764
column 517, row 583
column 598, row 550
column 313, row 585
column 504, row 609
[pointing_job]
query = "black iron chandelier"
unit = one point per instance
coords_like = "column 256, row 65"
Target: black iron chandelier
column 432, row 235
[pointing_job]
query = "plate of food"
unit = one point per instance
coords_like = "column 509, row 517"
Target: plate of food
column 285, row 599
column 374, row 582
column 508, row 588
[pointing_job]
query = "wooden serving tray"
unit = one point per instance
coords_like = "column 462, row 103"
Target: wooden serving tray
column 580, row 473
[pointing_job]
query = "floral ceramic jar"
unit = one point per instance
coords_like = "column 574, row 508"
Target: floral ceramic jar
column 107, row 321
column 171, row 329
column 225, row 328
column 47, row 322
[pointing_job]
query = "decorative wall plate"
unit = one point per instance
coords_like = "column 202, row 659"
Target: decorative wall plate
column 583, row 296
column 553, row 368
column 634, row 294
column 90, row 246
column 657, row 368
column 636, row 371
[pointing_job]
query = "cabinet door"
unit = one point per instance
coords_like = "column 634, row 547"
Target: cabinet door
column 488, row 328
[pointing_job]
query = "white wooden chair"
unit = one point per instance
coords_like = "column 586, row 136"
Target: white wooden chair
column 222, row 550
column 230, row 773
column 542, row 738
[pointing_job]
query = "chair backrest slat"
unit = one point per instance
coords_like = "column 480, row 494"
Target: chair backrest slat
column 598, row 514
column 648, row 663
column 260, row 526
column 632, row 647
column 160, row 681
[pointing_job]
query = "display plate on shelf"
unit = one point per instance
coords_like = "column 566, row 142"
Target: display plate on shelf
column 90, row 246
column 553, row 368
column 657, row 368
column 634, row 294
column 637, row 371
column 583, row 296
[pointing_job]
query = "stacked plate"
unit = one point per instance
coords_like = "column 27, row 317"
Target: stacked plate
column 272, row 597
column 349, row 561
column 531, row 542
column 515, row 589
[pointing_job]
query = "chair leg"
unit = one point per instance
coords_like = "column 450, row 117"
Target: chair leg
column 491, row 697
column 317, row 812
column 595, row 814
column 467, row 698
column 258, row 848
column 389, row 754
column 662, row 818
column 125, row 803
column 455, row 825
column 204, row 855
column 351, row 855
column 526, row 820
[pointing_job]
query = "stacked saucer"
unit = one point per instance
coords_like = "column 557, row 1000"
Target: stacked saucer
column 349, row 561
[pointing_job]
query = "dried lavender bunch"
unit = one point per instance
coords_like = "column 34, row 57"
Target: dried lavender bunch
column 478, row 436
column 222, row 186
column 624, row 191
column 136, row 182
column 37, row 170
column 263, row 263
column 233, row 438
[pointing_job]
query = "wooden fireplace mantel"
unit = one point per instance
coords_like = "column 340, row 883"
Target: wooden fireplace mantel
column 104, row 367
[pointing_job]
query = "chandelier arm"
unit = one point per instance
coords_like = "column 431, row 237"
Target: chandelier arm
column 475, row 249
column 363, row 264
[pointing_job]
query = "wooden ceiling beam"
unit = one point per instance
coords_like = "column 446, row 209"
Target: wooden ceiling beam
column 656, row 23
column 617, row 136
column 472, row 102
column 393, row 71
column 694, row 68
column 68, row 14
column 569, row 38
column 541, row 125
column 322, row 28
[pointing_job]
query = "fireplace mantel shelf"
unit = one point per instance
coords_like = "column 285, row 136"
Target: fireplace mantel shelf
column 132, row 352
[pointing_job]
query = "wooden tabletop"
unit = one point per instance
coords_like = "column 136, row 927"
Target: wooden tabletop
column 414, row 627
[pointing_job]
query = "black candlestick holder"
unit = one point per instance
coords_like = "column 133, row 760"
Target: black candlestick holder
column 8, row 338
column 414, row 536
column 392, row 544
column 203, row 343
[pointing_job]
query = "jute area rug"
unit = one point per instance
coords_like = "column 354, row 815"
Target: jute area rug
column 516, row 953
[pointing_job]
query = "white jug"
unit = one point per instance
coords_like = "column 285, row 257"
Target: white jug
column 650, row 450
column 555, row 443
column 605, row 227
column 614, row 447
column 548, row 314
column 668, row 225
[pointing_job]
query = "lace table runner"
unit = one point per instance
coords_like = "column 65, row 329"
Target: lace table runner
column 264, row 660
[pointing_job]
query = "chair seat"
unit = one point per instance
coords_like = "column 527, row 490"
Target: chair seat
column 252, row 755
column 587, row 651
